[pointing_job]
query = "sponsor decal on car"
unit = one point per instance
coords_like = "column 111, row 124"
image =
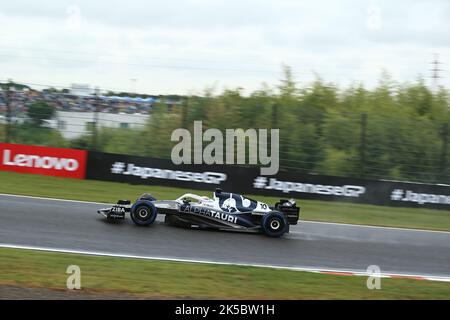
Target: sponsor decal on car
column 118, row 209
column 61, row 162
column 208, row 213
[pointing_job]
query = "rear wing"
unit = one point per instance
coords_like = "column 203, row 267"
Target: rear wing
column 289, row 209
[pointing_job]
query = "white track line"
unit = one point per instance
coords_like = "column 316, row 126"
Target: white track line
column 302, row 221
column 51, row 199
column 373, row 227
column 305, row 269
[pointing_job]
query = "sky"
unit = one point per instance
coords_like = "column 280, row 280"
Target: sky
column 185, row 47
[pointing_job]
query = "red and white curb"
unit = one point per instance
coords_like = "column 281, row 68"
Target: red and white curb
column 337, row 272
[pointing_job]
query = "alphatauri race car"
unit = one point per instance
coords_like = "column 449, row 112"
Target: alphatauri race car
column 225, row 211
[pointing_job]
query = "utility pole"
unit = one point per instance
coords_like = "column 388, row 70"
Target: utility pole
column 435, row 71
column 362, row 146
column 444, row 169
column 94, row 126
column 184, row 111
column 133, row 86
column 274, row 116
column 9, row 90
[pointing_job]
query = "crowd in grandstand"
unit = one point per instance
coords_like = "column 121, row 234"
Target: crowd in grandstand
column 19, row 99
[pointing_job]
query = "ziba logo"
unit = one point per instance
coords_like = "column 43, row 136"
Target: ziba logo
column 34, row 161
column 118, row 209
column 60, row 162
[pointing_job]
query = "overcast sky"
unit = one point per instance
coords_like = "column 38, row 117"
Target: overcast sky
column 161, row 47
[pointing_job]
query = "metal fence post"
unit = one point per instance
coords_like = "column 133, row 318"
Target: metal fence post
column 9, row 90
column 362, row 145
column 184, row 111
column 444, row 162
column 94, row 126
column 274, row 116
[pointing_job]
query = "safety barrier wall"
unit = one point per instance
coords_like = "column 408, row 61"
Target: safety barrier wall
column 82, row 164
column 286, row 184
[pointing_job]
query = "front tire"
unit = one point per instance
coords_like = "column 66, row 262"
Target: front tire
column 143, row 213
column 274, row 224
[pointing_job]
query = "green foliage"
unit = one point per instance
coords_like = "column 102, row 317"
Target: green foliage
column 83, row 143
column 125, row 141
column 30, row 134
column 154, row 141
column 40, row 111
column 338, row 162
column 320, row 126
column 12, row 84
column 2, row 132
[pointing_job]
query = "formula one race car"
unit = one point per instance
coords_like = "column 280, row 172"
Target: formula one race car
column 226, row 211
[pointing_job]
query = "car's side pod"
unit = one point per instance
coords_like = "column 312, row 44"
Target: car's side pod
column 290, row 209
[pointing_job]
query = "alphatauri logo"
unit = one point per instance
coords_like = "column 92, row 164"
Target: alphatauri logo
column 43, row 160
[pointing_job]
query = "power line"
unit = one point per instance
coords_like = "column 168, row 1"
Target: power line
column 106, row 57
column 179, row 64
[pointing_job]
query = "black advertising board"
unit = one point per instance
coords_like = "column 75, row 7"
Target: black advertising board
column 286, row 184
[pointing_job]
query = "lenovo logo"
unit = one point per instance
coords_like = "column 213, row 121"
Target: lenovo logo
column 33, row 161
column 43, row 160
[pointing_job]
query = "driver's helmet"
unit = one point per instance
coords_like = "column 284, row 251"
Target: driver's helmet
column 205, row 201
column 147, row 196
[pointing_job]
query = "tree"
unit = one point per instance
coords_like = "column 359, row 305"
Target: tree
column 287, row 87
column 40, row 111
column 320, row 126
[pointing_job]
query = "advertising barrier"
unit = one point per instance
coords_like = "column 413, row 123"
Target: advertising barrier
column 71, row 163
column 61, row 162
column 286, row 184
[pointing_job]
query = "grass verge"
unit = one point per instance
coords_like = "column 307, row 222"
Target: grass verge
column 100, row 191
column 161, row 279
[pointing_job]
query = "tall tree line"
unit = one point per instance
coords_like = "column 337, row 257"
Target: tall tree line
column 393, row 131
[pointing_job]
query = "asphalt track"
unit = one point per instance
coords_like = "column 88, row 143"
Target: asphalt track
column 38, row 222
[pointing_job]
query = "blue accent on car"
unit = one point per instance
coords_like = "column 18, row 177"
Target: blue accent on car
column 223, row 196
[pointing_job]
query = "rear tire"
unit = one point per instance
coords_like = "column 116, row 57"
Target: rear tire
column 274, row 224
column 143, row 213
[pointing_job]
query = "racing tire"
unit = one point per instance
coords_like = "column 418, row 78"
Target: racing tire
column 274, row 224
column 143, row 213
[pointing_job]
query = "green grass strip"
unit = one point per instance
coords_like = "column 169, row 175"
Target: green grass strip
column 161, row 279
